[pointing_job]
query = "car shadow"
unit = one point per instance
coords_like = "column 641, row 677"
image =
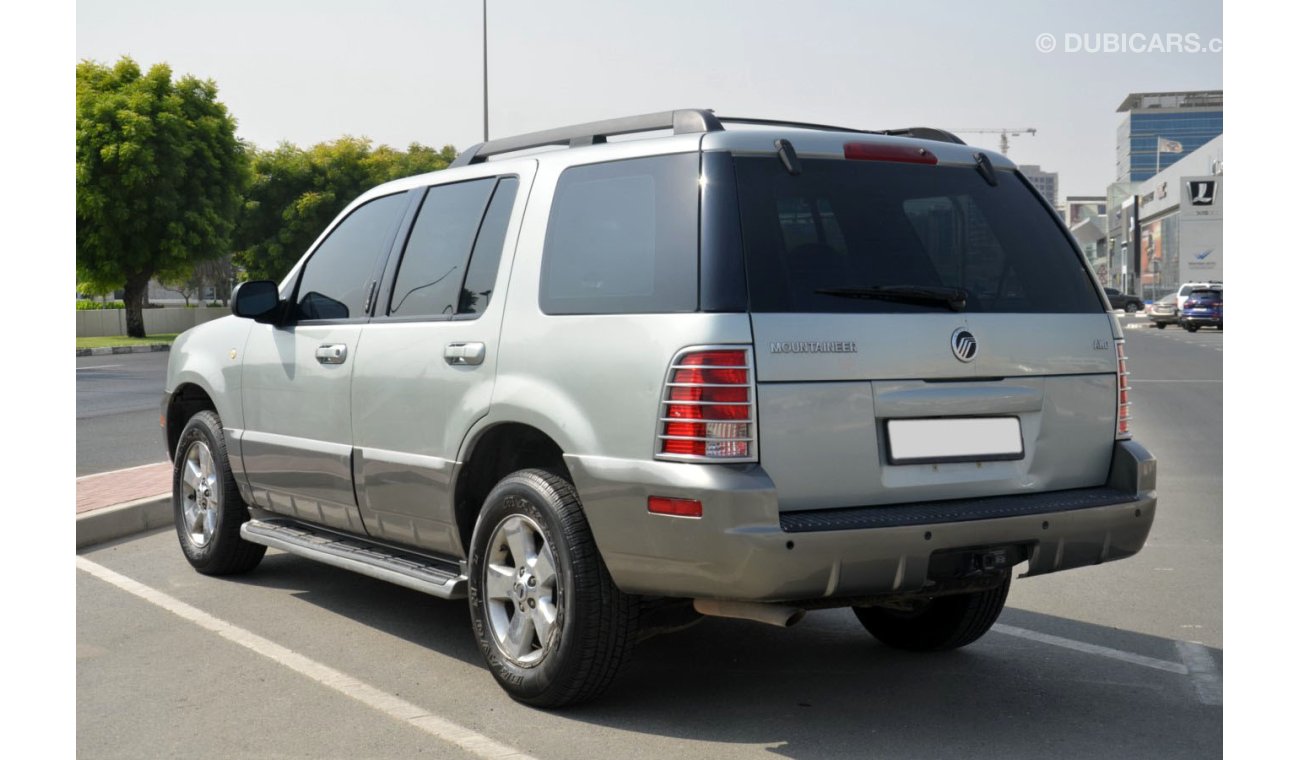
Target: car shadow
column 825, row 689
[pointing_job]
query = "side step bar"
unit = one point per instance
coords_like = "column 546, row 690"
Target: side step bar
column 439, row 578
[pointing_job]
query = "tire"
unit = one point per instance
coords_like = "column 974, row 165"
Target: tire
column 206, row 502
column 1191, row 328
column 552, row 627
column 938, row 624
column 1160, row 325
column 1130, row 308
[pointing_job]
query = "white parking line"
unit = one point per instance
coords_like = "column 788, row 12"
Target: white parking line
column 395, row 707
column 1204, row 672
column 1080, row 646
column 99, row 366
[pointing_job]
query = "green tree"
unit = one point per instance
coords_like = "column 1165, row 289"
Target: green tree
column 296, row 193
column 160, row 177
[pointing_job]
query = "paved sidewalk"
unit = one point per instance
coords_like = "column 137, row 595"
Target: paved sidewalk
column 113, row 505
column 106, row 489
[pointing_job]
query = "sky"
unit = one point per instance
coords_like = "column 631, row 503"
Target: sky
column 399, row 71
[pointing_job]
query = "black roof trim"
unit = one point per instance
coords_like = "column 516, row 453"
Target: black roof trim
column 926, row 133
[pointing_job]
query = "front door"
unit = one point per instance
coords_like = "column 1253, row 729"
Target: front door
column 297, row 377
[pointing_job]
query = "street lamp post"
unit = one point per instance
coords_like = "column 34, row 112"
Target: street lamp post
column 485, row 74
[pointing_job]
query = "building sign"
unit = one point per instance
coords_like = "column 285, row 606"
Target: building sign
column 1200, row 235
column 1203, row 197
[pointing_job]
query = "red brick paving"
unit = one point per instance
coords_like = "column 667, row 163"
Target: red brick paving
column 106, row 489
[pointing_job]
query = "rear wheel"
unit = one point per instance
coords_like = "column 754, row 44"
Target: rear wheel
column 1160, row 325
column 1130, row 307
column 937, row 624
column 548, row 619
column 206, row 502
column 1191, row 328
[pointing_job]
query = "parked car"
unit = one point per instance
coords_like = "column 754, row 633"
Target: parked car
column 1186, row 289
column 1129, row 303
column 602, row 390
column 1164, row 312
column 1203, row 308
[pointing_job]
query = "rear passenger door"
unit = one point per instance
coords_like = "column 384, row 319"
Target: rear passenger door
column 427, row 362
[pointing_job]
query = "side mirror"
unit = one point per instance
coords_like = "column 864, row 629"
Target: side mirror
column 258, row 300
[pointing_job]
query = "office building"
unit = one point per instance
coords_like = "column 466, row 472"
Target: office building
column 1045, row 182
column 1161, row 128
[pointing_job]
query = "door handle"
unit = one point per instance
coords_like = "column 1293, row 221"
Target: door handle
column 462, row 354
column 335, row 353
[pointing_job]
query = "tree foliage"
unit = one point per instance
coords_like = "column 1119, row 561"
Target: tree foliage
column 295, row 194
column 160, row 177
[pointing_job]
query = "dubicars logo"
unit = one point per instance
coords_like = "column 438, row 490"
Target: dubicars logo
column 963, row 345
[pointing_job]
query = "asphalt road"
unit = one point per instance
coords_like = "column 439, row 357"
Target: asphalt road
column 117, row 411
column 301, row 660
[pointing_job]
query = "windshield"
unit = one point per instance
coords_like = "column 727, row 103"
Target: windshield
column 848, row 236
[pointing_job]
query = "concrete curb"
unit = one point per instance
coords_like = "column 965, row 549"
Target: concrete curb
column 141, row 349
column 122, row 520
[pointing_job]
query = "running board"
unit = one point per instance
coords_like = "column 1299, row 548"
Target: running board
column 439, row 578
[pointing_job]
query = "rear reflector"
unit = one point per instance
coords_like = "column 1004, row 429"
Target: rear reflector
column 909, row 154
column 662, row 505
column 707, row 408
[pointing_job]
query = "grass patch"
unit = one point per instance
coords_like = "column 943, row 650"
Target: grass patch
column 122, row 340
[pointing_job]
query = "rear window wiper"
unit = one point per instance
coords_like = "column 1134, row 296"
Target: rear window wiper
column 953, row 298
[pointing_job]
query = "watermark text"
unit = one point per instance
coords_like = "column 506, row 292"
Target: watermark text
column 1127, row 42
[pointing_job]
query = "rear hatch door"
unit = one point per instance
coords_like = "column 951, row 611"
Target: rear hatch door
column 921, row 333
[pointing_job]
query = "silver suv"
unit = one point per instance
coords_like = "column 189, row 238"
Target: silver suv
column 602, row 387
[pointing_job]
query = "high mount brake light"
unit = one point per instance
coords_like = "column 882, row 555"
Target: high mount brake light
column 1123, row 419
column 707, row 409
column 908, row 154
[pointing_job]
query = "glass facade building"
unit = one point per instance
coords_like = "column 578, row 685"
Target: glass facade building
column 1189, row 118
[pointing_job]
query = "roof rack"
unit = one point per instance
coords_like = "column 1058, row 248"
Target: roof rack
column 681, row 122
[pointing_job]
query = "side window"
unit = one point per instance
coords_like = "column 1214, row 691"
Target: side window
column 433, row 266
column 623, row 237
column 335, row 281
column 483, row 263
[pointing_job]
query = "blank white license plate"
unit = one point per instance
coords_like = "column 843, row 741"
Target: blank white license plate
column 954, row 439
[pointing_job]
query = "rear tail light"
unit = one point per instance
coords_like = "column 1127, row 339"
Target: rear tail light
column 1123, row 419
column 707, row 407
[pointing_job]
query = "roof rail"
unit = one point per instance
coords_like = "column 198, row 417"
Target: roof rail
column 926, row 133
column 681, row 122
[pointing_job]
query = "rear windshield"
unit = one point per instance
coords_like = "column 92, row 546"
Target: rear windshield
column 854, row 226
column 1206, row 296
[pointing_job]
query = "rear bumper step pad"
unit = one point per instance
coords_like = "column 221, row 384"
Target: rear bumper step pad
column 956, row 510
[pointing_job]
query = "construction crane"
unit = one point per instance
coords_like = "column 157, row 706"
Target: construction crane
column 1006, row 132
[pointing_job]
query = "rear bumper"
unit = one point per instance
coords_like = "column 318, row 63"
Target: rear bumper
column 1204, row 320
column 740, row 548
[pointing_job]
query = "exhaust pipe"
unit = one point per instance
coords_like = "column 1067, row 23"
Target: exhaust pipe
column 772, row 614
